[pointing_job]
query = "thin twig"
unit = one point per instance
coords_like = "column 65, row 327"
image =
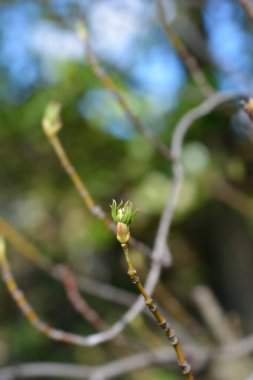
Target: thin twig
column 238, row 349
column 233, row 197
column 29, row 251
column 102, row 290
column 75, row 178
column 194, row 114
column 125, row 298
column 105, row 291
column 51, row 332
column 30, row 313
column 112, row 88
column 188, row 59
column 165, row 222
column 72, row 282
column 95, row 209
column 178, row 175
column 213, row 315
column 109, row 370
column 35, row 256
column 175, row 309
column 77, row 300
column 173, row 340
column 248, row 7
column 123, row 366
column 60, row 272
column 166, row 218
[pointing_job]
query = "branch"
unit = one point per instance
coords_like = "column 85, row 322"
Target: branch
column 51, row 126
column 194, row 114
column 105, row 371
column 234, row 198
column 160, row 319
column 187, row 58
column 166, row 218
column 76, row 299
column 72, row 282
column 165, row 221
column 32, row 254
column 111, row 86
column 213, row 315
column 200, row 357
column 248, row 7
column 28, row 311
column 61, row 273
column 28, row 250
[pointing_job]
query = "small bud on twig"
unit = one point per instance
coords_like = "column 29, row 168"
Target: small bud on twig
column 123, row 233
column 122, row 217
column 51, row 121
column 81, row 30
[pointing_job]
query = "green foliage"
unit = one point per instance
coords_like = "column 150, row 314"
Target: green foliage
column 123, row 213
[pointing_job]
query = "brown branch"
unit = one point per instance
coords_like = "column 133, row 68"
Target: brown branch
column 213, row 315
column 29, row 251
column 233, row 197
column 51, row 130
column 187, row 58
column 72, row 282
column 175, row 309
column 161, row 321
column 109, row 370
column 248, row 7
column 112, row 88
column 165, row 221
column 62, row 273
column 28, row 311
column 77, row 300
column 51, row 332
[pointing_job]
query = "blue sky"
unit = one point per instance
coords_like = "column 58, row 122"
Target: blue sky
column 121, row 32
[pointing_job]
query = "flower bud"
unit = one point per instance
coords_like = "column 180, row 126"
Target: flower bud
column 123, row 233
column 51, row 121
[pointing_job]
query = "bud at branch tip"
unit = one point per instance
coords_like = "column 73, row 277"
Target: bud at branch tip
column 122, row 216
column 51, row 121
column 81, row 30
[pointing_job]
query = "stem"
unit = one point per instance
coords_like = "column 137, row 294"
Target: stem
column 248, row 7
column 28, row 311
column 61, row 272
column 75, row 178
column 187, row 58
column 111, row 86
column 94, row 208
column 132, row 273
column 77, row 300
column 22, row 245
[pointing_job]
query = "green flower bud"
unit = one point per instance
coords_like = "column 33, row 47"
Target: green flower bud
column 51, row 122
column 123, row 214
column 123, row 233
column 81, row 30
column 122, row 217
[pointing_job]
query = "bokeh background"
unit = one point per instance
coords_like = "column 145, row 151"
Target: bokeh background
column 42, row 59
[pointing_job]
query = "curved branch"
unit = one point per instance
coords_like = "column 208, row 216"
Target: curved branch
column 104, row 371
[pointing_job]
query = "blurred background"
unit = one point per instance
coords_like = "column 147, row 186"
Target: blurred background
column 42, row 59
